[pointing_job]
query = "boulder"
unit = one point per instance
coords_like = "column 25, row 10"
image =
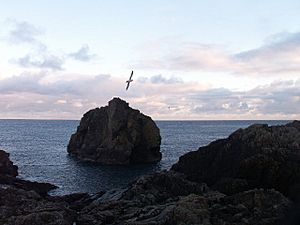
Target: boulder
column 116, row 134
column 259, row 156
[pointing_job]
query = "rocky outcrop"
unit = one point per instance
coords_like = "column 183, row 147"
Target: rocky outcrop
column 160, row 199
column 168, row 198
column 9, row 171
column 7, row 168
column 259, row 156
column 24, row 202
column 21, row 207
column 116, row 134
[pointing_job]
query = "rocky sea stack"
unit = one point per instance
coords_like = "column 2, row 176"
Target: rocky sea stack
column 116, row 134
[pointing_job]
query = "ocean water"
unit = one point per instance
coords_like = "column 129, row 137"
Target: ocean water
column 39, row 148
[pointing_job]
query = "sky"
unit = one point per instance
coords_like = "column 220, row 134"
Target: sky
column 192, row 60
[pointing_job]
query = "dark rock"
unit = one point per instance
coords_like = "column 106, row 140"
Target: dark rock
column 251, row 207
column 7, row 168
column 8, row 173
column 155, row 199
column 21, row 207
column 156, row 188
column 38, row 187
column 258, row 156
column 162, row 198
column 116, row 134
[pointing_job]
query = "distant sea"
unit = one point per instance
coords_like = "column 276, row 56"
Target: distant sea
column 39, row 148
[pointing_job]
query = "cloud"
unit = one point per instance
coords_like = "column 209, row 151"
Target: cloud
column 24, row 32
column 83, row 54
column 159, row 79
column 40, row 56
column 41, row 61
column 279, row 55
column 37, row 83
column 36, row 96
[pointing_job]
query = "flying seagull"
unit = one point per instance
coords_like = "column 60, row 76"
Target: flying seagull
column 128, row 81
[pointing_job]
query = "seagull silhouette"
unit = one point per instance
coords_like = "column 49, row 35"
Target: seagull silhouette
column 128, row 81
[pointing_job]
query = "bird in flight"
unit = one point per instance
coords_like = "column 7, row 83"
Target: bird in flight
column 128, row 81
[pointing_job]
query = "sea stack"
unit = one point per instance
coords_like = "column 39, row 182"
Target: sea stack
column 117, row 135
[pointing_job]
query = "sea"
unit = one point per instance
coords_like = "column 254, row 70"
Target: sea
column 39, row 149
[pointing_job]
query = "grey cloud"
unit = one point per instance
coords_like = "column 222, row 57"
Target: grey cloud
column 32, row 83
column 44, row 61
column 159, row 79
column 142, row 79
column 24, row 32
column 68, row 97
column 83, row 54
column 26, row 82
column 275, row 98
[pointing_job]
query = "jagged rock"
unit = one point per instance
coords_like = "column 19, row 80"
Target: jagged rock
column 21, row 207
column 158, row 187
column 156, row 199
column 116, row 134
column 258, row 156
column 159, row 199
column 7, row 168
column 8, row 173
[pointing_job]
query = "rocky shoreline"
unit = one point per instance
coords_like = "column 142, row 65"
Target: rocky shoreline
column 251, row 177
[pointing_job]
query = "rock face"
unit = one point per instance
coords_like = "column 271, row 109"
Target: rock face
column 6, row 166
column 9, row 171
column 168, row 198
column 20, row 207
column 116, row 134
column 258, row 156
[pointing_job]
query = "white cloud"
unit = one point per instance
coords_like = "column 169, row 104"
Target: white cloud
column 30, row 96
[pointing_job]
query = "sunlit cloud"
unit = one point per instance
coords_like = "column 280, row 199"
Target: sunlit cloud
column 29, row 96
column 279, row 55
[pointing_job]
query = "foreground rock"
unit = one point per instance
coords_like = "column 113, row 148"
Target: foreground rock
column 116, row 134
column 25, row 203
column 9, row 171
column 168, row 198
column 258, row 156
column 161, row 199
column 21, row 207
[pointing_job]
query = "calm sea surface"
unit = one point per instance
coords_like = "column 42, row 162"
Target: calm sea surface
column 39, row 148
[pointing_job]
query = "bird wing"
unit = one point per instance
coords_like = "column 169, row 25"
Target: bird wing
column 131, row 75
column 127, row 86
